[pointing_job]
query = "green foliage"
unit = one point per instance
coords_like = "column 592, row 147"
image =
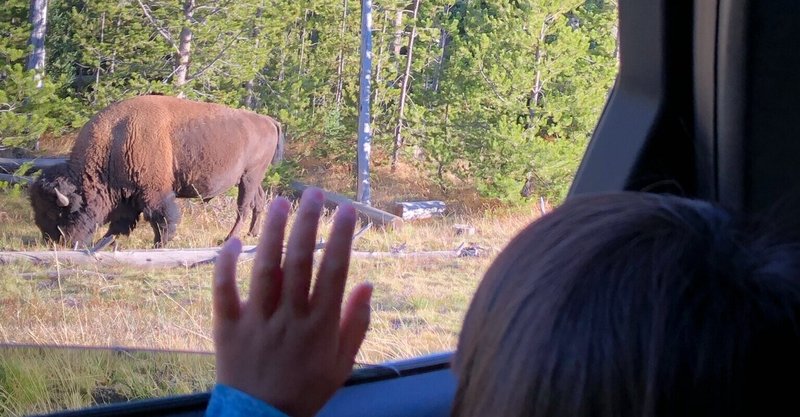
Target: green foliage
column 497, row 55
column 334, row 143
column 500, row 91
column 17, row 190
column 13, row 190
column 280, row 175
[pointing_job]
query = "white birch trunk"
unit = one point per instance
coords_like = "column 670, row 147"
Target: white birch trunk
column 36, row 60
column 363, row 191
column 184, row 46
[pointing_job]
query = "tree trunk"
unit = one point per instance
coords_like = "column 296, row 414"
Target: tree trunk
column 36, row 60
column 191, row 258
column 282, row 71
column 340, row 66
column 398, row 131
column 363, row 191
column 184, row 46
column 379, row 65
column 15, row 179
column 413, row 210
column 38, row 20
column 365, row 212
column 99, row 59
column 538, row 85
column 113, row 65
column 537, row 91
column 250, row 98
column 398, row 32
column 440, row 166
column 378, row 80
column 443, row 40
column 14, row 164
column 303, row 40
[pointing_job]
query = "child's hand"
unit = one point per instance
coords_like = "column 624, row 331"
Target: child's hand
column 282, row 346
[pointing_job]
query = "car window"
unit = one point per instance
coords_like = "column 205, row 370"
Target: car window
column 480, row 113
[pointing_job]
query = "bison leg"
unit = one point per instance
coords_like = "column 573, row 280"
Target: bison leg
column 247, row 192
column 164, row 218
column 103, row 243
column 259, row 205
column 123, row 221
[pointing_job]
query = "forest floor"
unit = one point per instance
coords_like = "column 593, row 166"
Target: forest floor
column 418, row 304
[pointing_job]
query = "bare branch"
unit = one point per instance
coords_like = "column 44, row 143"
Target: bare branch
column 6, row 107
column 160, row 29
column 491, row 85
column 216, row 58
column 174, row 70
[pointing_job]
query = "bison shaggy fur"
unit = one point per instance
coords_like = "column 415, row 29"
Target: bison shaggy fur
column 136, row 156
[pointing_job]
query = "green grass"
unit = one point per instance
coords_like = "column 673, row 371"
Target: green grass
column 418, row 306
column 48, row 379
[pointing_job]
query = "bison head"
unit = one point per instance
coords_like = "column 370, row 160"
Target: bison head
column 56, row 204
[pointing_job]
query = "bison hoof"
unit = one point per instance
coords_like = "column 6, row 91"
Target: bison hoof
column 103, row 243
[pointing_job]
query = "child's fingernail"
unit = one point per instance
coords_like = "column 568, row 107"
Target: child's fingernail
column 369, row 289
column 233, row 246
column 314, row 196
column 345, row 211
column 281, row 204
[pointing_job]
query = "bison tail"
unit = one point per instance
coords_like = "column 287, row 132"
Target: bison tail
column 278, row 157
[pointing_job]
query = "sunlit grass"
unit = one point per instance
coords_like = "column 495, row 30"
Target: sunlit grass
column 45, row 380
column 170, row 308
column 418, row 304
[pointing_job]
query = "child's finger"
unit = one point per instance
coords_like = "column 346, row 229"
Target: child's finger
column 354, row 325
column 226, row 303
column 329, row 288
column 297, row 266
column 265, row 288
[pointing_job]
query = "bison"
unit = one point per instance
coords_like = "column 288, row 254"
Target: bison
column 136, row 156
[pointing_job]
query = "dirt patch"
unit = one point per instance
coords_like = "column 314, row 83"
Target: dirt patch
column 108, row 395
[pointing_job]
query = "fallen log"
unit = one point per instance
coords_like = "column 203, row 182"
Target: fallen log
column 371, row 214
column 463, row 251
column 65, row 273
column 10, row 165
column 189, row 258
column 411, row 210
column 464, row 229
column 184, row 258
column 14, row 179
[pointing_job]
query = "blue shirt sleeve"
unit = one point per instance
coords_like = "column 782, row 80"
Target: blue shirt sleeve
column 227, row 401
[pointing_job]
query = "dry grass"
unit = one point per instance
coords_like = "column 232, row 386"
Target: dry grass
column 418, row 305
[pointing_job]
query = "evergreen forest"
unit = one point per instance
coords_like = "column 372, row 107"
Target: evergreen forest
column 504, row 93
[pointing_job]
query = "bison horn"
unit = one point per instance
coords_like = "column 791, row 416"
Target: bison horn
column 63, row 201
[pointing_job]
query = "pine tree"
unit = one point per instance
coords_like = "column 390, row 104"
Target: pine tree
column 503, row 93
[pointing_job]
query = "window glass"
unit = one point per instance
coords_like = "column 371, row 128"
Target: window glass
column 483, row 109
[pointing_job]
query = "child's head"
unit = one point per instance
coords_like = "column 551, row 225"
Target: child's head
column 633, row 305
